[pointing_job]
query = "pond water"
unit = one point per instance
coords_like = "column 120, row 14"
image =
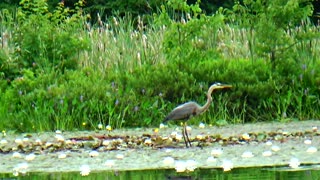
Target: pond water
column 255, row 151
column 278, row 173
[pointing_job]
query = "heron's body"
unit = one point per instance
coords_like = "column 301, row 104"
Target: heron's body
column 187, row 110
column 184, row 111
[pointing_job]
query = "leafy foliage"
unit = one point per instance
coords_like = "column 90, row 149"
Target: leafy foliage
column 58, row 71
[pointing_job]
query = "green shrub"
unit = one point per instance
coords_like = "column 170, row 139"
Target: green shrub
column 49, row 41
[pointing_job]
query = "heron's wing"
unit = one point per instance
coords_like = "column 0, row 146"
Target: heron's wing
column 182, row 112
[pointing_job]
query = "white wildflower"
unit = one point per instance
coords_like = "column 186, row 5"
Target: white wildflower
column 161, row 126
column 202, row 125
column 108, row 127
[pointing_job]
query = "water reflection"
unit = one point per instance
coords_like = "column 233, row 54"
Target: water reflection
column 269, row 173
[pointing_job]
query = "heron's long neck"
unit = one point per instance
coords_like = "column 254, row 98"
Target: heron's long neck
column 209, row 100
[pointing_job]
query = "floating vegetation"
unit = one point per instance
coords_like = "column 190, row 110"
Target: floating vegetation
column 138, row 149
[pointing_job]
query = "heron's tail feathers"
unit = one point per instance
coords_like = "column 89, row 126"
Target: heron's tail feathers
column 165, row 120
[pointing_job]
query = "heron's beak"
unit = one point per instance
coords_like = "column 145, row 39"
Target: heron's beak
column 222, row 86
column 226, row 86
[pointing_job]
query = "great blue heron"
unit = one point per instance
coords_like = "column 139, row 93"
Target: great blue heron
column 187, row 110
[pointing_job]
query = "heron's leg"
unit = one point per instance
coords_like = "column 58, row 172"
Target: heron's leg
column 183, row 134
column 186, row 132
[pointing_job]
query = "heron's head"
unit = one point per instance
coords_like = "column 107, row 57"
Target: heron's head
column 220, row 86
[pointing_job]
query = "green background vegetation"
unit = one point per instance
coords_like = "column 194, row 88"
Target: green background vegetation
column 72, row 68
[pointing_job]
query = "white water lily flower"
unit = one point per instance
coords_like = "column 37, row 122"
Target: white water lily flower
column 105, row 142
column 109, row 163
column 179, row 137
column 202, row 125
column 93, row 153
column 30, row 157
column 119, row 156
column 191, row 165
column 174, row 134
column 48, row 144
column 25, row 139
column 267, row 153
column 247, row 154
column 148, row 141
column 268, row 143
column 199, row 136
column 84, row 170
column 307, row 141
column 216, row 152
column 16, row 155
column 58, row 132
column 275, row 148
column 294, row 163
column 227, row 165
column 168, row 160
column 314, row 128
column 68, row 141
column 180, row 166
column 59, row 138
column 18, row 141
column 246, row 136
column 168, row 150
column 62, row 156
column 20, row 168
column 38, row 141
column 312, row 149
column 3, row 142
column 211, row 159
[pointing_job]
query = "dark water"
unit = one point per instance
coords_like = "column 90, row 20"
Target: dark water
column 270, row 173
